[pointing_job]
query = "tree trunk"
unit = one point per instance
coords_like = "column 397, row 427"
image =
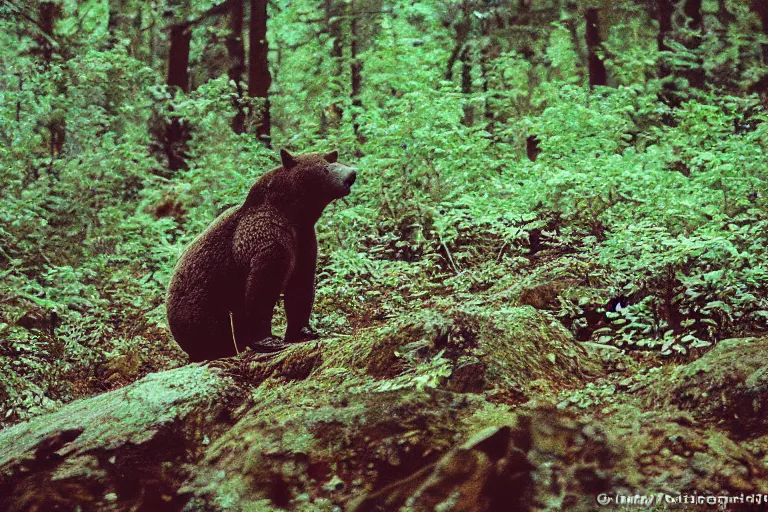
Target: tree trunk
column 259, row 78
column 20, row 77
column 532, row 147
column 462, row 27
column 152, row 36
column 236, row 52
column 597, row 73
column 692, row 8
column 20, row 90
column 178, row 57
column 331, row 117
column 760, row 7
column 137, row 36
column 466, row 85
column 664, row 10
column 356, row 68
column 487, row 54
column 176, row 134
column 48, row 12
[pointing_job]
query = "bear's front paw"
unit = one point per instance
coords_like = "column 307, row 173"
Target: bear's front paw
column 304, row 334
column 269, row 344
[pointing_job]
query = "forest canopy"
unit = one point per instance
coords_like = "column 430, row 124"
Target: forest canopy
column 616, row 149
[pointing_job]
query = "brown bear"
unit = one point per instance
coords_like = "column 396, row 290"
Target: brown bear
column 225, row 285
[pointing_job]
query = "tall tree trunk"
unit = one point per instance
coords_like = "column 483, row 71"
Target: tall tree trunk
column 597, row 73
column 20, row 91
column 176, row 134
column 47, row 13
column 760, row 7
column 259, row 78
column 236, row 51
column 20, row 77
column 331, row 117
column 178, row 57
column 663, row 13
column 488, row 52
column 466, row 85
column 152, row 36
column 462, row 27
column 692, row 8
column 356, row 68
column 136, row 38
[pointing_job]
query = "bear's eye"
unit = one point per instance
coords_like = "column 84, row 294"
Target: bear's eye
column 327, row 170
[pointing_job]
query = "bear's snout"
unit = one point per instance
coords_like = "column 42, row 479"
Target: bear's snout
column 350, row 179
column 345, row 177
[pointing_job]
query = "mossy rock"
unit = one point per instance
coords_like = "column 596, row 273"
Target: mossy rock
column 727, row 387
column 304, row 439
column 121, row 450
column 515, row 350
column 542, row 460
column 333, row 418
column 672, row 454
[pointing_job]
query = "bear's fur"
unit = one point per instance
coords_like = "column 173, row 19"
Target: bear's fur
column 225, row 285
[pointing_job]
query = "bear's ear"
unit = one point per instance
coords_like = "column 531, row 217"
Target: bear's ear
column 331, row 157
column 287, row 159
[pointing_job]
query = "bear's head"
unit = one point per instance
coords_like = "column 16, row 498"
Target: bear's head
column 307, row 183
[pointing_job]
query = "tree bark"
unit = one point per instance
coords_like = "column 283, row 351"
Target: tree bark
column 259, row 78
column 356, row 68
column 47, row 13
column 331, row 117
column 487, row 54
column 236, row 51
column 760, row 7
column 692, row 9
column 597, row 73
column 462, row 27
column 532, row 147
column 152, row 43
column 176, row 134
column 178, row 57
column 663, row 14
column 466, row 85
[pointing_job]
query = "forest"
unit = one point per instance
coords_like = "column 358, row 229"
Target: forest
column 547, row 289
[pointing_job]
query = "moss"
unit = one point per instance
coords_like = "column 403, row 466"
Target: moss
column 128, row 415
column 302, row 433
column 150, row 429
column 466, row 348
column 490, row 415
column 727, row 386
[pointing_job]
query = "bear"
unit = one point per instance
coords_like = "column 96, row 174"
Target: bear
column 225, row 285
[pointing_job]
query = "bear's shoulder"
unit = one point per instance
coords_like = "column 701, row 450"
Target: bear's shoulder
column 260, row 231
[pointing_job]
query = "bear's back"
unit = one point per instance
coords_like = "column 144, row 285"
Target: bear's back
column 206, row 270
